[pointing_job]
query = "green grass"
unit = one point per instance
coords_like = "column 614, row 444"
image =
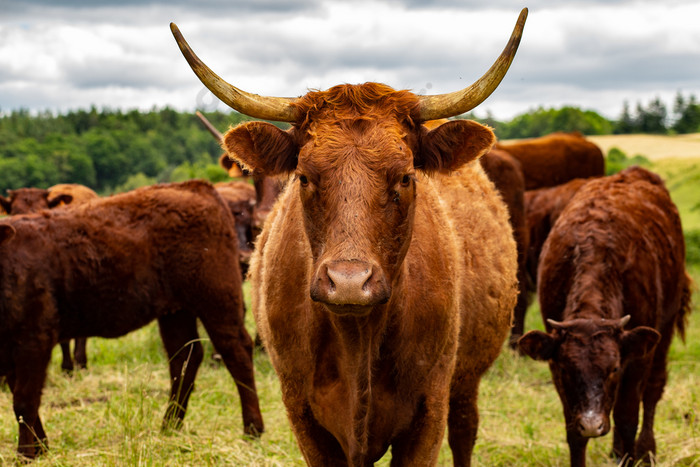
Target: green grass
column 110, row 414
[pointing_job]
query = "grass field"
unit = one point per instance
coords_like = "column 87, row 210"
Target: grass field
column 110, row 414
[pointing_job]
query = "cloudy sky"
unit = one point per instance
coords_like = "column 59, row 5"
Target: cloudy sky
column 594, row 54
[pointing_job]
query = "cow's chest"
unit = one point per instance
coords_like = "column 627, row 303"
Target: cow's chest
column 366, row 411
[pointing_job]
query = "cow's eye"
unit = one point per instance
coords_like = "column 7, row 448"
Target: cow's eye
column 303, row 180
column 406, row 180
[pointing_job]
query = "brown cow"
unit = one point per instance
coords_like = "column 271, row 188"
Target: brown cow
column 240, row 198
column 556, row 158
column 612, row 288
column 387, row 242
column 112, row 265
column 27, row 200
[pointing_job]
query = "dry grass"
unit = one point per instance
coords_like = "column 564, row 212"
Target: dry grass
column 653, row 147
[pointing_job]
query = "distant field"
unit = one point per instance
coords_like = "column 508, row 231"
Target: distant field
column 653, row 147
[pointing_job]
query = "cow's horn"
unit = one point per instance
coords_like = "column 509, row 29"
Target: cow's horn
column 268, row 108
column 555, row 324
column 207, row 124
column 458, row 102
column 624, row 320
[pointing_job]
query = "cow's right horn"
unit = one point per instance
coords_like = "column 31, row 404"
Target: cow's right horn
column 278, row 109
column 464, row 100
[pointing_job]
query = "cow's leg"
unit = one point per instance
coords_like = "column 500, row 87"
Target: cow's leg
column 318, row 446
column 232, row 341
column 577, row 447
column 626, row 409
column 518, row 328
column 67, row 363
column 463, row 422
column 653, row 390
column 179, row 333
column 80, row 352
column 421, row 444
column 26, row 382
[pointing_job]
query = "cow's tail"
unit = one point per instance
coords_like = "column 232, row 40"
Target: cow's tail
column 685, row 306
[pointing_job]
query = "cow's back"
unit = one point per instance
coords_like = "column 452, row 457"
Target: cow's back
column 556, row 158
column 632, row 240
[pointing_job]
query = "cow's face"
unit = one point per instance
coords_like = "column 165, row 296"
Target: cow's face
column 587, row 358
column 26, row 200
column 354, row 170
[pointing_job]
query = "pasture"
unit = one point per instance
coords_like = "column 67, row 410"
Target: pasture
column 110, row 414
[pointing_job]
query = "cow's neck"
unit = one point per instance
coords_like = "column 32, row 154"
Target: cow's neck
column 596, row 291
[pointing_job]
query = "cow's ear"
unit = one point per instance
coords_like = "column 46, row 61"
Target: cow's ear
column 58, row 199
column 230, row 166
column 538, row 345
column 453, row 144
column 6, row 204
column 262, row 147
column 638, row 342
column 7, row 232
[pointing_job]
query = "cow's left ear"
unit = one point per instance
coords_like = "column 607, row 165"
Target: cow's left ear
column 7, row 232
column 262, row 147
column 538, row 345
column 639, row 341
column 453, row 144
column 64, row 198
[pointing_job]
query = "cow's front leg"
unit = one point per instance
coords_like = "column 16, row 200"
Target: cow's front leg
column 420, row 445
column 318, row 445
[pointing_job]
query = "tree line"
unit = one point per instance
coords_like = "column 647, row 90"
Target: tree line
column 113, row 151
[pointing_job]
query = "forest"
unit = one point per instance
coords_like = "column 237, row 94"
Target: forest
column 113, row 151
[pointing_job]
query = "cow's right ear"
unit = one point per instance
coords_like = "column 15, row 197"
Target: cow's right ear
column 6, row 204
column 453, row 144
column 7, row 232
column 538, row 345
column 262, row 147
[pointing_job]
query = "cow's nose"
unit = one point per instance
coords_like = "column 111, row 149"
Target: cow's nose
column 350, row 283
column 592, row 424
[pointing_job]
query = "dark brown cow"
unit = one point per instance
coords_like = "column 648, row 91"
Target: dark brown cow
column 556, row 158
column 387, row 242
column 612, row 288
column 111, row 265
column 28, row 200
column 240, row 197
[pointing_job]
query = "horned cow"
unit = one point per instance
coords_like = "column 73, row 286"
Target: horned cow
column 613, row 289
column 384, row 280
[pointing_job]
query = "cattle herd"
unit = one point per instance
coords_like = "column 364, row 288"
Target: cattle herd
column 390, row 252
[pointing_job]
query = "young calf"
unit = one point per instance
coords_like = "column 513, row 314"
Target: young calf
column 112, row 265
column 612, row 287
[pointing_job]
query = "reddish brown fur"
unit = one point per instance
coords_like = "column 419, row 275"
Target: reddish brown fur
column 27, row 200
column 506, row 173
column 543, row 207
column 111, row 265
column 240, row 198
column 366, row 368
column 617, row 249
column 556, row 158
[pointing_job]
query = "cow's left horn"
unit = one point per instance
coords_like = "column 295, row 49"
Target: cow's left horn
column 464, row 100
column 278, row 109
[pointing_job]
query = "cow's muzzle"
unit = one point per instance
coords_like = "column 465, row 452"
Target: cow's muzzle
column 592, row 424
column 350, row 287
